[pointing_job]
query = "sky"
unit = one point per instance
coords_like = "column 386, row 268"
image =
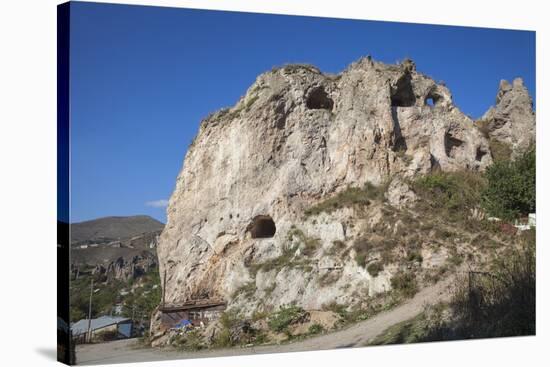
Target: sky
column 142, row 78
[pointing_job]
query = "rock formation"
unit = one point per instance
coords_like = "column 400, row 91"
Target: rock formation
column 297, row 137
column 512, row 120
column 126, row 268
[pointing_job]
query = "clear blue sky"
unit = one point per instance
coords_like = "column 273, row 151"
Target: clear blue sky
column 142, row 78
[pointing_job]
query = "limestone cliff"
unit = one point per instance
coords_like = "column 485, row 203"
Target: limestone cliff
column 237, row 228
column 512, row 120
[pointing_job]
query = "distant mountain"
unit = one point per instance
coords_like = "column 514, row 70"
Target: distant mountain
column 113, row 228
column 120, row 248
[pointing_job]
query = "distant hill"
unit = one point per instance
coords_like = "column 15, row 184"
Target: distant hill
column 113, row 228
column 120, row 248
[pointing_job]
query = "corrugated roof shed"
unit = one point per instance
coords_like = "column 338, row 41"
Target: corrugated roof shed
column 81, row 327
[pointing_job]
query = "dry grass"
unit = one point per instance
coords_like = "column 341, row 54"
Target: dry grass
column 352, row 196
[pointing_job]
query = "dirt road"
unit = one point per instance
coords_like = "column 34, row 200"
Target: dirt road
column 353, row 336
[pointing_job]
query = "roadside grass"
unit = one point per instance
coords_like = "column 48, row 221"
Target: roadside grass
column 409, row 331
column 285, row 316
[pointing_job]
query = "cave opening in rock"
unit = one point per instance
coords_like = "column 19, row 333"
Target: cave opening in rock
column 262, row 226
column 432, row 99
column 402, row 94
column 318, row 99
column 480, row 153
column 452, row 144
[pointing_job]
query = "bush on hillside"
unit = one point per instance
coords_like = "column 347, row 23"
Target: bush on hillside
column 453, row 192
column 510, row 190
column 285, row 316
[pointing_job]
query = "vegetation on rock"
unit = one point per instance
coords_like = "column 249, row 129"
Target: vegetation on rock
column 285, row 316
column 405, row 283
column 510, row 190
column 347, row 198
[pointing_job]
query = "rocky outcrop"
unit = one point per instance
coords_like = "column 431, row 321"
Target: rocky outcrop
column 399, row 194
column 126, row 268
column 299, row 136
column 512, row 120
column 123, row 259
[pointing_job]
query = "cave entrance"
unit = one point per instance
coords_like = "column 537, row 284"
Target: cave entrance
column 262, row 226
column 319, row 100
column 480, row 153
column 402, row 94
column 452, row 145
column 432, row 99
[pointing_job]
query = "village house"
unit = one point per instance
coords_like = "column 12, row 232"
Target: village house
column 101, row 329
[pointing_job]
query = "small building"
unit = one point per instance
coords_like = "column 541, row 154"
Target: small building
column 196, row 312
column 102, row 329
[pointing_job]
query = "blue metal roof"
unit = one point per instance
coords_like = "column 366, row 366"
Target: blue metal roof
column 81, row 327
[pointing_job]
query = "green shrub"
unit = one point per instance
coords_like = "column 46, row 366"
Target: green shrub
column 454, row 192
column 510, row 190
column 260, row 338
column 404, row 283
column 455, row 259
column 337, row 308
column 193, row 340
column 285, row 316
column 222, row 339
column 315, row 329
column 190, row 341
column 409, row 331
column 259, row 315
column 375, row 268
column 361, row 260
column 228, row 320
column 414, row 256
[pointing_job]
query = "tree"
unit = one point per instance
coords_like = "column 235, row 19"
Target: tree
column 510, row 190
